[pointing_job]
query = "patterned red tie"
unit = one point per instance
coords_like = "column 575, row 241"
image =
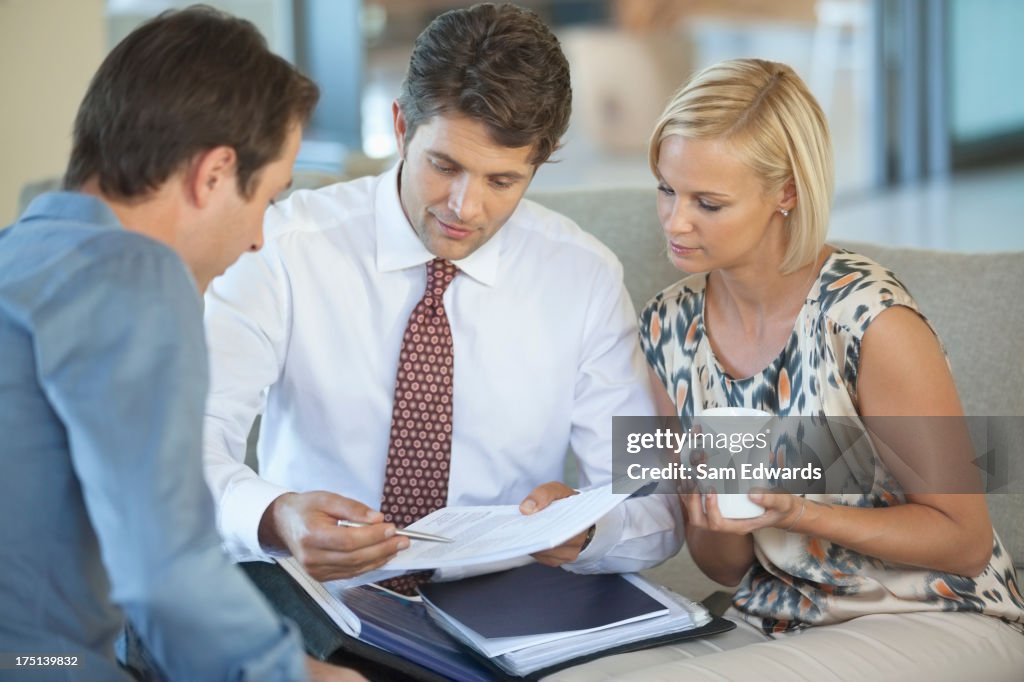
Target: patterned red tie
column 416, row 476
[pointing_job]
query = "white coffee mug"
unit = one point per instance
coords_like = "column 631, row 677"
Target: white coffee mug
column 738, row 505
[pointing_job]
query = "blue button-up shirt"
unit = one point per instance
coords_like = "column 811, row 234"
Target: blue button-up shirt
column 104, row 512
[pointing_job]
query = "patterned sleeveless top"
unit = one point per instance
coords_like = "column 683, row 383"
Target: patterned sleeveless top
column 797, row 580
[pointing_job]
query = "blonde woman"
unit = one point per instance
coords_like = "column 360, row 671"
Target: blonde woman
column 886, row 585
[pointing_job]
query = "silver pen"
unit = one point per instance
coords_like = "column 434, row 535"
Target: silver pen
column 414, row 534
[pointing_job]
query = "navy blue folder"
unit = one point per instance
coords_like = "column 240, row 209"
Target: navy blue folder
column 537, row 599
column 403, row 628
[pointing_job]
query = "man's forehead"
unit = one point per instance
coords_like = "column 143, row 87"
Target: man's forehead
column 470, row 144
column 485, row 166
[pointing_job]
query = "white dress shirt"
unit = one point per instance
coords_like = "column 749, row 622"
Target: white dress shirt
column 308, row 331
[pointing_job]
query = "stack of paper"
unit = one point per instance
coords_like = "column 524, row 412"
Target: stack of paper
column 492, row 533
column 557, row 616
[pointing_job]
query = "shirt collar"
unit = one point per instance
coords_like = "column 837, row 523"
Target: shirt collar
column 76, row 206
column 399, row 248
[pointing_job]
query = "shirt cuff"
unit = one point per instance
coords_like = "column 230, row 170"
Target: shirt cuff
column 609, row 530
column 241, row 510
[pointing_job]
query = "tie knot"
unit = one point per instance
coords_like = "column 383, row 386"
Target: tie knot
column 440, row 274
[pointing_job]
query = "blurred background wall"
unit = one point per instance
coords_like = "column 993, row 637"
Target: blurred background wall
column 48, row 51
column 917, row 92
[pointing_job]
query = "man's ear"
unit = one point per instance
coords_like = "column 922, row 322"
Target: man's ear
column 212, row 171
column 400, row 128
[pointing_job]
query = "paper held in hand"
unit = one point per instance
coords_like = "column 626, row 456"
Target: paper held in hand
column 482, row 535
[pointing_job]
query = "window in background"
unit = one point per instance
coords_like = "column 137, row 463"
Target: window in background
column 987, row 104
column 272, row 17
column 627, row 58
column 329, row 47
column 626, row 68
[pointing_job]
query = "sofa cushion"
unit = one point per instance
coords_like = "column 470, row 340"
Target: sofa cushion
column 627, row 222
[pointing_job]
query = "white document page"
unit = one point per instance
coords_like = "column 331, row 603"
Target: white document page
column 496, row 533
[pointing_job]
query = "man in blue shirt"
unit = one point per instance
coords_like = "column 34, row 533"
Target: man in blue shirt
column 188, row 130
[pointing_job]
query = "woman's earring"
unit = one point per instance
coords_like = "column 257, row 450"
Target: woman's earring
column 784, row 212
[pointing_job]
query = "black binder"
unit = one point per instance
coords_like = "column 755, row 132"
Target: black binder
column 401, row 640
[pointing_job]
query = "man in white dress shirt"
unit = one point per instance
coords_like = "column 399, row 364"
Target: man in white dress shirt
column 309, row 329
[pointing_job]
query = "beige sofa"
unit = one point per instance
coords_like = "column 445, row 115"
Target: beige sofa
column 974, row 301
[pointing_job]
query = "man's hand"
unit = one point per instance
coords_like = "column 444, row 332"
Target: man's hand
column 306, row 524
column 541, row 497
column 324, row 672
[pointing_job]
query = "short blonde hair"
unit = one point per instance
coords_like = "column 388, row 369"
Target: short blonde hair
column 765, row 112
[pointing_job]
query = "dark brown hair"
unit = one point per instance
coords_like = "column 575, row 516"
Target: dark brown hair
column 498, row 64
column 182, row 83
